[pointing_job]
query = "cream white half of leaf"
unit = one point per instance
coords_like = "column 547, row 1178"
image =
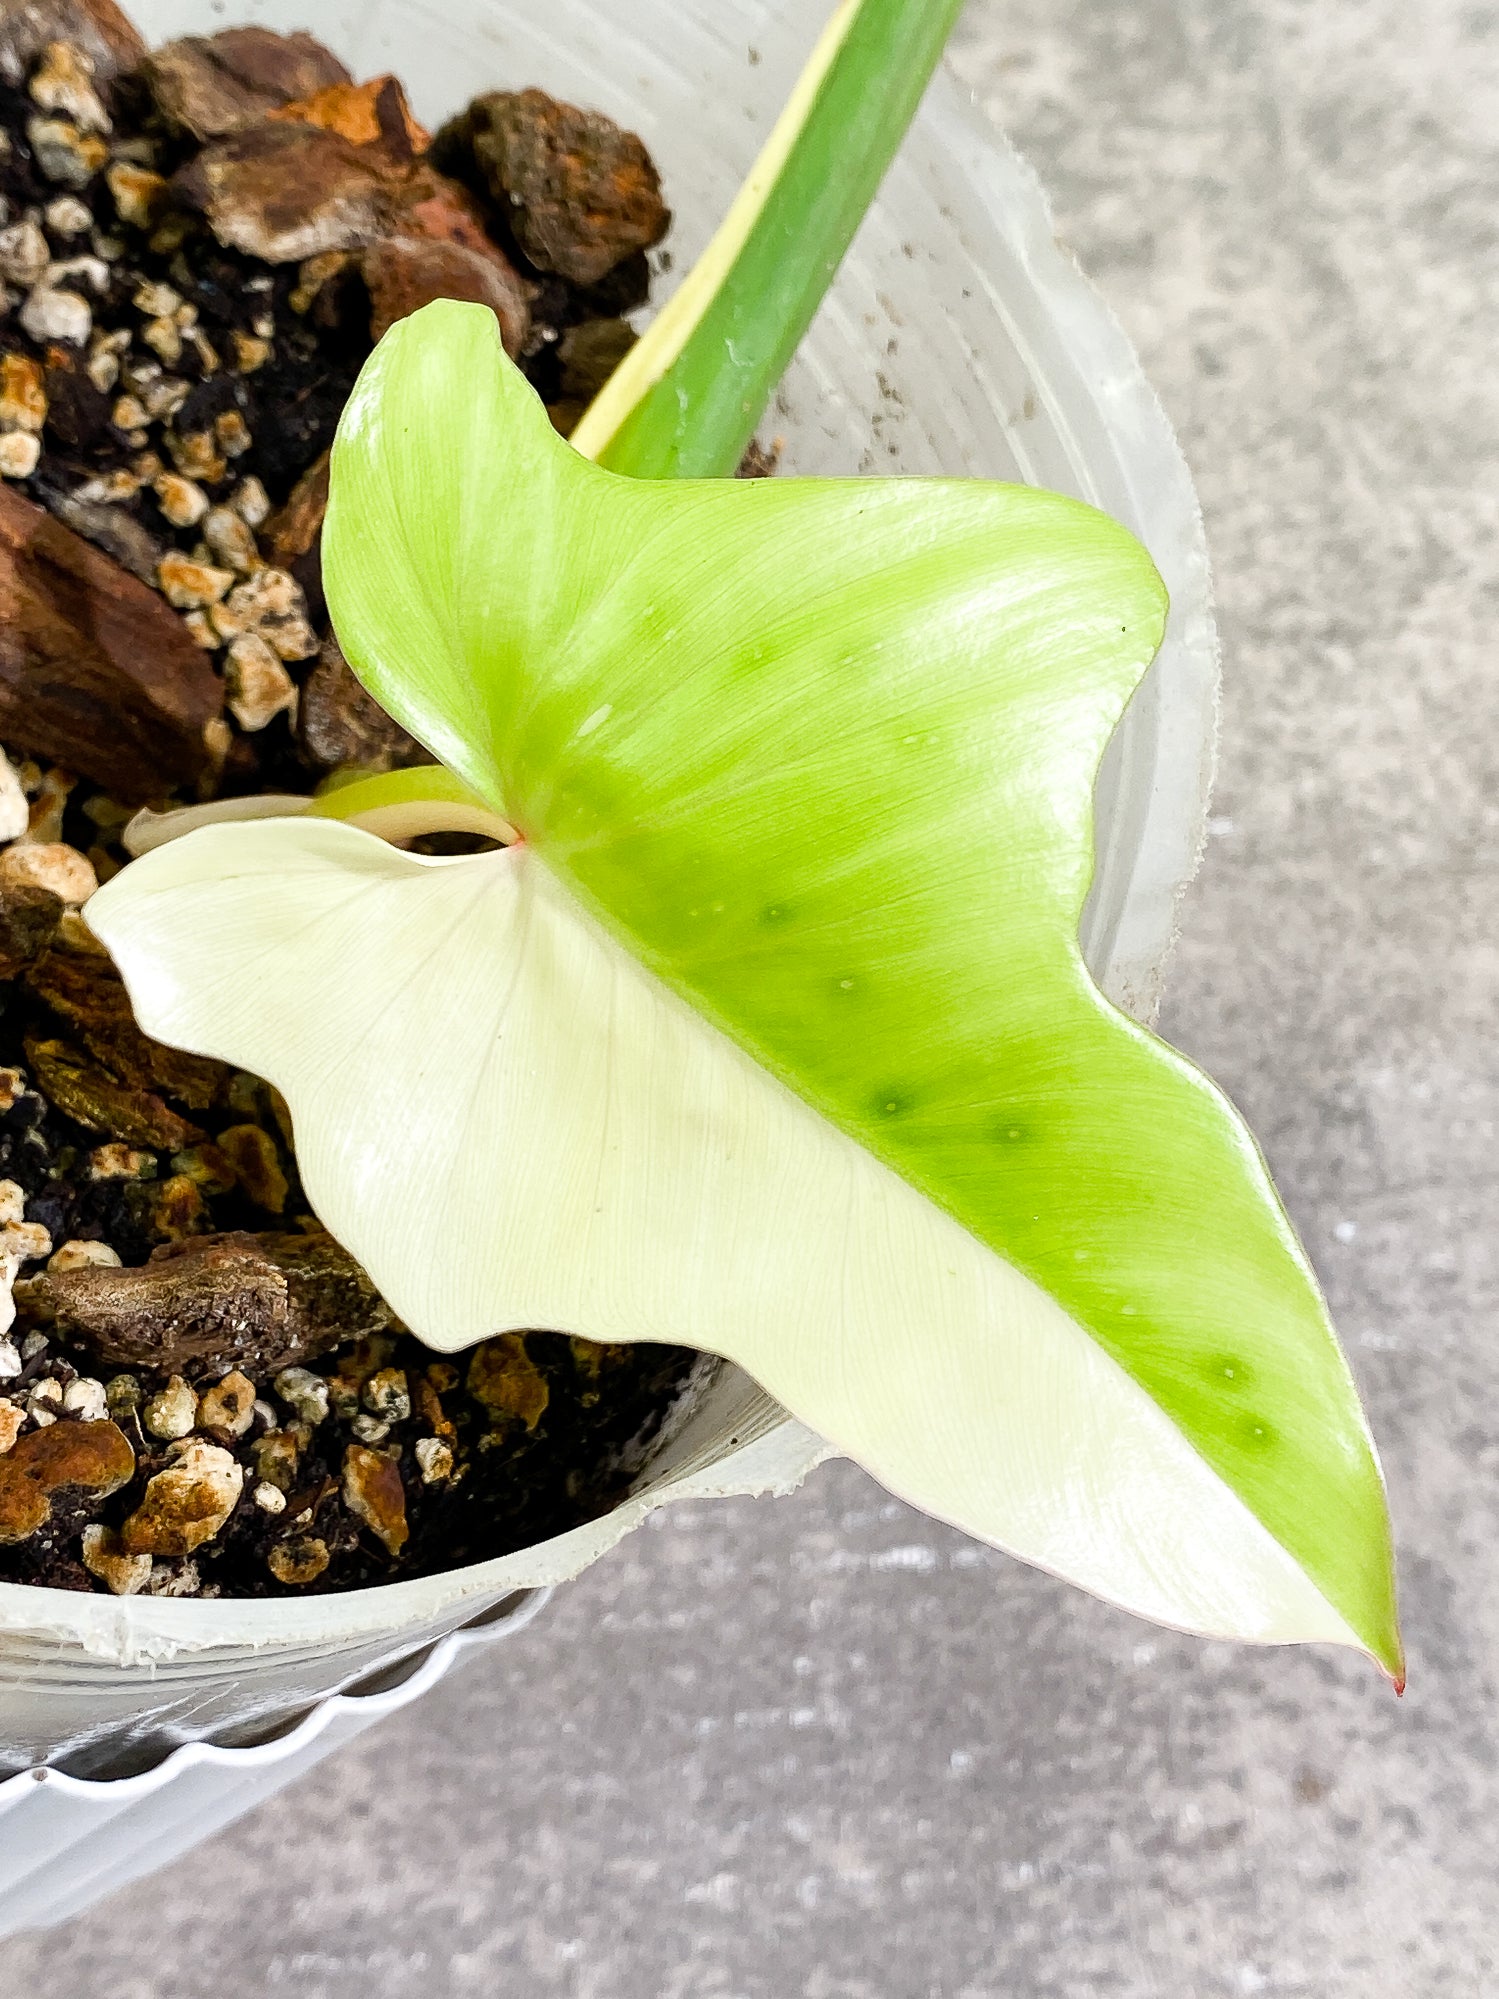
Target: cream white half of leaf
column 578, row 1150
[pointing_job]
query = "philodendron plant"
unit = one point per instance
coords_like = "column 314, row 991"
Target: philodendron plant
column 765, row 1028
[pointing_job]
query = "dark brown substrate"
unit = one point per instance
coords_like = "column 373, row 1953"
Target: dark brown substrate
column 202, row 1394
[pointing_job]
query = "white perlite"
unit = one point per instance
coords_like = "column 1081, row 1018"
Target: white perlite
column 85, row 1399
column 93, row 271
column 164, row 338
column 68, row 216
column 183, row 501
column 272, row 606
column 259, row 686
column 64, row 153
column 64, row 82
column 434, row 1460
column 103, row 1556
column 51, row 864
column 251, row 502
column 188, row 585
column 49, row 800
column 44, row 1404
column 14, row 812
column 173, row 1410
column 25, row 254
column 26, row 1242
column 80, row 1255
column 304, row 1393
column 230, row 541
column 57, row 315
column 157, row 301
column 20, row 454
column 103, row 369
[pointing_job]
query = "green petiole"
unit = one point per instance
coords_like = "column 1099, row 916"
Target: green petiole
column 687, row 401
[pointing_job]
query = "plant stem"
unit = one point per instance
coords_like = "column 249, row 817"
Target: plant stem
column 687, row 401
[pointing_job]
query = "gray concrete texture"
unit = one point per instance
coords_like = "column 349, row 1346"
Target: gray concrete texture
column 822, row 1749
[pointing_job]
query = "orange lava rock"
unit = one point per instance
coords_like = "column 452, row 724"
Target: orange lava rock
column 292, row 531
column 503, row 1376
column 373, row 1493
column 429, row 1406
column 298, row 1562
column 178, row 1209
column 186, row 1504
column 23, row 394
column 253, row 1155
column 433, row 205
column 580, row 193
column 366, row 114
column 93, row 1459
column 408, row 272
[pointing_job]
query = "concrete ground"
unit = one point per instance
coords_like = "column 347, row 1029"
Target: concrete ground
column 822, row 1750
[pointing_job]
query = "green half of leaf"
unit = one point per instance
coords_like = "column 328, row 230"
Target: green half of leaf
column 687, row 399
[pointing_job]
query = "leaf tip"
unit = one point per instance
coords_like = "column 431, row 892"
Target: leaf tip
column 1386, row 1647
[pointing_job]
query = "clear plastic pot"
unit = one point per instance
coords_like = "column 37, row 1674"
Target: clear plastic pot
column 960, row 339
